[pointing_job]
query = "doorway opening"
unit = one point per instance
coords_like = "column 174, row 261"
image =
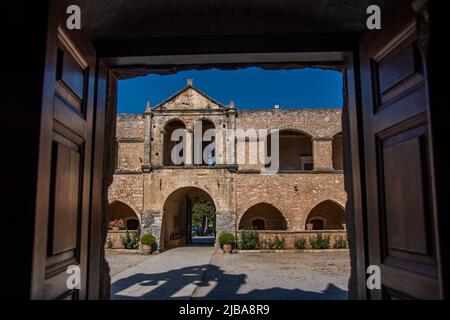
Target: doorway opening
column 188, row 219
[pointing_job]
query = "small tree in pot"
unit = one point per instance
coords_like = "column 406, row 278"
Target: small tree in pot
column 148, row 242
column 227, row 240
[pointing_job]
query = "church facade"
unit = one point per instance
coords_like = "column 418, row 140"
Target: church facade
column 155, row 191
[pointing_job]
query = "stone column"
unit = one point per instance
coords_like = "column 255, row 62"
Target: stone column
column 323, row 153
column 188, row 146
column 220, row 145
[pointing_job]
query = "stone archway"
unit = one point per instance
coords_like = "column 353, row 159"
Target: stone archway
column 177, row 228
column 120, row 210
column 262, row 216
column 326, row 215
column 169, row 143
column 123, row 221
column 295, row 150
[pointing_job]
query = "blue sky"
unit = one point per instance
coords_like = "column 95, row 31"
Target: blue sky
column 250, row 88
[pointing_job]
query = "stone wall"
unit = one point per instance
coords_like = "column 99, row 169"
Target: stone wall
column 130, row 126
column 114, row 238
column 315, row 122
column 129, row 189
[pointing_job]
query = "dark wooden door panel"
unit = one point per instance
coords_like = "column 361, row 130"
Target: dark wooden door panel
column 63, row 215
column 400, row 217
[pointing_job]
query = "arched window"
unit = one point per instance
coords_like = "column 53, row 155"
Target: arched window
column 295, row 151
column 122, row 216
column 326, row 215
column 169, row 145
column 338, row 152
column 263, row 216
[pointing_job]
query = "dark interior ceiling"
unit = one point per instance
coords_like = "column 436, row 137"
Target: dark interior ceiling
column 128, row 31
column 128, row 19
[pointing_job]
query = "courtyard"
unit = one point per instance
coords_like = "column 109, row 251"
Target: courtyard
column 199, row 272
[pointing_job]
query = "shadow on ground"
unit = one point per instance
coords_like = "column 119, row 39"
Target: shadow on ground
column 169, row 285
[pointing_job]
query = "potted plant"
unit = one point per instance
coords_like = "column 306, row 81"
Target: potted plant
column 226, row 240
column 148, row 242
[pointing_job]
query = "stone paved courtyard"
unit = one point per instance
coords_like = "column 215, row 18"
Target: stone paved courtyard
column 199, row 273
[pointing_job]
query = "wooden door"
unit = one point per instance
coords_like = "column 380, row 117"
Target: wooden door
column 63, row 205
column 401, row 219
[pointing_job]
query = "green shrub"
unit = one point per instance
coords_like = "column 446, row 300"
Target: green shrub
column 340, row 243
column 270, row 244
column 279, row 243
column 300, row 244
column 148, row 239
column 226, row 238
column 320, row 242
column 130, row 241
column 249, row 240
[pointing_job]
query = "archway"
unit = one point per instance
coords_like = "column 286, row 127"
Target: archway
column 295, row 150
column 123, row 222
column 121, row 211
column 168, row 144
column 326, row 215
column 263, row 216
column 180, row 225
column 206, row 158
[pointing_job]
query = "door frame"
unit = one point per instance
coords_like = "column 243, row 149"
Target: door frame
column 343, row 61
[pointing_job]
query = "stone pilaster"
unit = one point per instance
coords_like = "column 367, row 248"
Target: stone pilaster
column 188, row 146
column 225, row 221
column 151, row 222
column 147, row 140
column 230, row 140
column 323, row 153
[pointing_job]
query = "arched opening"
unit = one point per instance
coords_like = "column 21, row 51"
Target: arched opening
column 338, row 152
column 208, row 157
column 169, row 144
column 123, row 223
column 263, row 216
column 189, row 218
column 122, row 217
column 326, row 215
column 295, row 150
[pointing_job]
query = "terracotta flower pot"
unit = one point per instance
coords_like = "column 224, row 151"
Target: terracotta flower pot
column 146, row 249
column 227, row 248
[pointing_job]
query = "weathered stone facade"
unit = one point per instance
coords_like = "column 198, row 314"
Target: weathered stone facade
column 146, row 182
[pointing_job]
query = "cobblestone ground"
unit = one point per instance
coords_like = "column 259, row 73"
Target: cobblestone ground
column 197, row 273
